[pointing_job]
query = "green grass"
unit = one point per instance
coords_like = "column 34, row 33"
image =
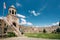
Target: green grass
column 11, row 34
column 43, row 35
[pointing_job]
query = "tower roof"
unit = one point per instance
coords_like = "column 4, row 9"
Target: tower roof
column 12, row 6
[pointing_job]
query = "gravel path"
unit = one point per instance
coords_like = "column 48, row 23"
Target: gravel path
column 25, row 38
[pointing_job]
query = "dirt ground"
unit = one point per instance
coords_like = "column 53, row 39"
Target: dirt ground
column 25, row 38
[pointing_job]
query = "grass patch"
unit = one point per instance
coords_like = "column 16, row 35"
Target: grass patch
column 11, row 34
column 43, row 35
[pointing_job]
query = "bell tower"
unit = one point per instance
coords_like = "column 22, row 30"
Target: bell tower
column 12, row 10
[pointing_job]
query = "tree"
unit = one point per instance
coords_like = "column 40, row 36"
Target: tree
column 44, row 31
column 58, row 30
column 54, row 31
column 22, row 32
column 59, row 23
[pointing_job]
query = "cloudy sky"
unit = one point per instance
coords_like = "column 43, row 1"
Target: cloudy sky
column 34, row 12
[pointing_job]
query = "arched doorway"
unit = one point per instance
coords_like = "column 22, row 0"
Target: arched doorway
column 14, row 24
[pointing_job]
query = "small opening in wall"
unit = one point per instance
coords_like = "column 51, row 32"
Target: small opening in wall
column 14, row 24
column 15, row 13
column 12, row 11
column 5, row 29
column 0, row 24
column 5, row 24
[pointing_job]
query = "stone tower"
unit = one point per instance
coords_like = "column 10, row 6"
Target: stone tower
column 10, row 23
column 12, row 18
column 12, row 10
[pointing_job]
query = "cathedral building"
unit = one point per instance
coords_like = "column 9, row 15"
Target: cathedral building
column 10, row 23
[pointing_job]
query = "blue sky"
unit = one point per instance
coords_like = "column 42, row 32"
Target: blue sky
column 37, row 12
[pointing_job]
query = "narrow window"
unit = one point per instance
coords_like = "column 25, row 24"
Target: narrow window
column 5, row 24
column 0, row 24
column 12, row 11
column 5, row 29
column 14, row 24
column 15, row 13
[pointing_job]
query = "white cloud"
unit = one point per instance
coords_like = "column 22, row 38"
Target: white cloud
column 19, row 15
column 24, row 22
column 1, row 17
column 18, row 4
column 23, row 19
column 38, row 13
column 47, row 25
column 34, row 12
column 57, row 23
column 53, row 24
column 37, row 26
column 41, row 9
column 29, row 23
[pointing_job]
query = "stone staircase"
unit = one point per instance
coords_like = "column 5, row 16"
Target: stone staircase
column 15, row 30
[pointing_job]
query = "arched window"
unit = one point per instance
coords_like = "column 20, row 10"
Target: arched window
column 5, row 30
column 5, row 24
column 9, row 11
column 15, row 13
column 12, row 11
column 14, row 24
column 0, row 23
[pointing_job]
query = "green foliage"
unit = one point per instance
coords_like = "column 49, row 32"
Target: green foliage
column 44, row 31
column 11, row 34
column 59, row 23
column 44, row 35
column 58, row 30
